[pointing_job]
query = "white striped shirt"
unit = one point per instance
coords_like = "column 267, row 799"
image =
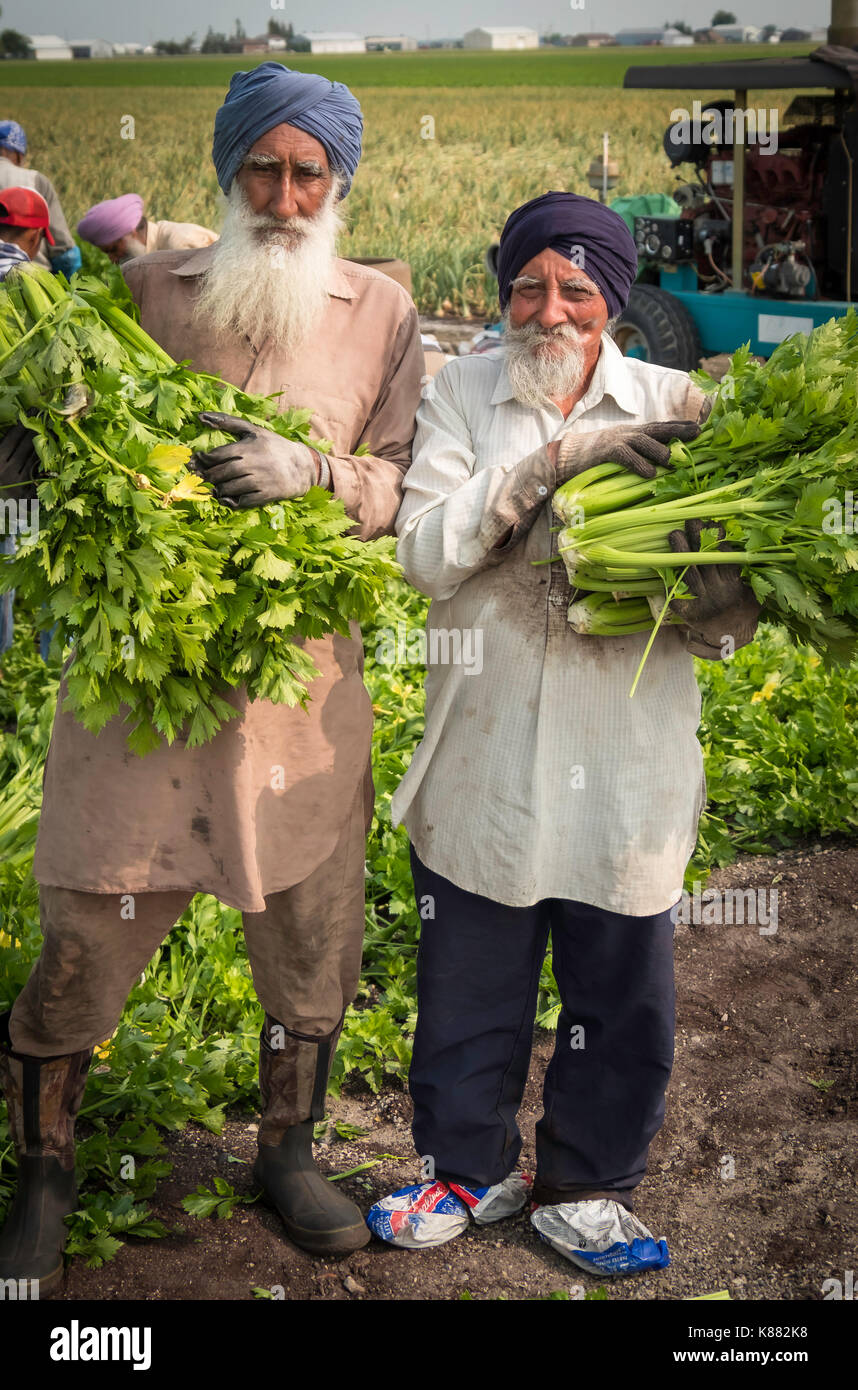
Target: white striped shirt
column 537, row 776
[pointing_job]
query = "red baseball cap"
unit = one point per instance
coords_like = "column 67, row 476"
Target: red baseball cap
column 24, row 207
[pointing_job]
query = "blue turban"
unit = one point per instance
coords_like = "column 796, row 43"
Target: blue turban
column 593, row 237
column 272, row 94
column 12, row 137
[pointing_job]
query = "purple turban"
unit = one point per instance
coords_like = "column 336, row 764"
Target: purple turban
column 272, row 94
column 107, row 222
column 594, row 239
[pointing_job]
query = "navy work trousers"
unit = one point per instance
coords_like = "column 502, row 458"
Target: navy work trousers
column 478, row 970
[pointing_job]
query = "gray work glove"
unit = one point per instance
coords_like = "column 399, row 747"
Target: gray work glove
column 723, row 606
column 259, row 467
column 636, row 447
column 19, row 464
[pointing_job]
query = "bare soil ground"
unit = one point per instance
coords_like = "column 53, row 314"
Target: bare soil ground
column 761, row 1018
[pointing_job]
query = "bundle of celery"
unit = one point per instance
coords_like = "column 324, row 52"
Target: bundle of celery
column 168, row 596
column 776, row 464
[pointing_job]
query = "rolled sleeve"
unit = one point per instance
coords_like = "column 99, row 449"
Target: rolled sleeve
column 370, row 485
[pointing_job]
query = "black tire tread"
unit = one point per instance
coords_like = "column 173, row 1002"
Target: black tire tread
column 667, row 324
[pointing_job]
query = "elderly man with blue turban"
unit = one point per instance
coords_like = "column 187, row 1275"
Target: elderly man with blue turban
column 541, row 798
column 271, row 815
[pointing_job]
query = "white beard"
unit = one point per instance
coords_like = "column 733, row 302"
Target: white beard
column 133, row 247
column 538, row 377
column 269, row 276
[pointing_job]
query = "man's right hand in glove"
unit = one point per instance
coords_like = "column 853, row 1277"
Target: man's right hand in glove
column 19, row 464
column 636, row 447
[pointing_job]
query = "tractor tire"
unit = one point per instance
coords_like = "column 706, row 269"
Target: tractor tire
column 656, row 327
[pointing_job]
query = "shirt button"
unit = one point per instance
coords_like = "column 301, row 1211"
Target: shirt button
column 542, row 490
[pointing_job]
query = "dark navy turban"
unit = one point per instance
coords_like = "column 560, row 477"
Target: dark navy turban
column 272, row 94
column 593, row 237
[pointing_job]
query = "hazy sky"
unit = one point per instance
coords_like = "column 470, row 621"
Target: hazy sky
column 143, row 21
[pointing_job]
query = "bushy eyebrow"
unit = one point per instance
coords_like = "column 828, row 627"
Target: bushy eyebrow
column 270, row 161
column 527, row 282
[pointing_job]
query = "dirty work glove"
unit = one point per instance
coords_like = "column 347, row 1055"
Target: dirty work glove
column 259, row 467
column 723, row 606
column 19, row 464
column 636, row 447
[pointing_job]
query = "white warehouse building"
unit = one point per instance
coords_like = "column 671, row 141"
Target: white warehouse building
column 91, row 48
column 48, row 46
column 324, row 41
column 501, row 37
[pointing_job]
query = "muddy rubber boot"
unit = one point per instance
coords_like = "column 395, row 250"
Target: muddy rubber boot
column 293, row 1079
column 43, row 1095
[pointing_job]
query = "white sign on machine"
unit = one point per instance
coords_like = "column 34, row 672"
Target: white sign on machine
column 773, row 328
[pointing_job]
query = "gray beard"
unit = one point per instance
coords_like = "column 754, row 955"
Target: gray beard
column 269, row 276
column 537, row 378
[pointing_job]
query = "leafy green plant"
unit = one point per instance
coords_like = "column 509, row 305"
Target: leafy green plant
column 170, row 598
column 221, row 1203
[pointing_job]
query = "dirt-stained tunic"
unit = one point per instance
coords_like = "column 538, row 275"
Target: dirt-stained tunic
column 221, row 818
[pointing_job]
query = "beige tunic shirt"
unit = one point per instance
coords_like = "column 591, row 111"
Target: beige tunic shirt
column 19, row 176
column 177, row 236
column 537, row 776
column 215, row 819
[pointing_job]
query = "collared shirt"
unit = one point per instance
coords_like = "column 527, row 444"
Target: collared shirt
column 260, row 806
column 177, row 236
column 537, row 775
column 19, row 176
column 10, row 256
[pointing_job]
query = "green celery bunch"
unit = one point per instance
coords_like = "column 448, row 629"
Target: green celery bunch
column 779, row 448
column 169, row 598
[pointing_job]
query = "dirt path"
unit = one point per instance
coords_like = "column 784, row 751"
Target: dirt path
column 759, row 1018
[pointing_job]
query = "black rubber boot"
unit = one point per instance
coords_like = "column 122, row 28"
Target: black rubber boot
column 293, row 1080
column 43, row 1095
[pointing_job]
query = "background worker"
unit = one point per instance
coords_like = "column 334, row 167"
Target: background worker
column 64, row 255
column 24, row 223
column 120, row 228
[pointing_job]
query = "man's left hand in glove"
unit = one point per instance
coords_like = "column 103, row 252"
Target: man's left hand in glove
column 723, row 607
column 260, row 466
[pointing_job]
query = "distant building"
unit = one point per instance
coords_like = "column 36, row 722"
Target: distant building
column 324, row 41
column 501, row 37
column 120, row 49
column 639, row 38
column 258, row 45
column 91, row 48
column 396, row 43
column 47, row 46
column 736, row 33
column 592, row 40
column 673, row 38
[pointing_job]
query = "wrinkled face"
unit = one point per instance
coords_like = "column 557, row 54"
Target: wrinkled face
column 550, row 292
column 285, row 174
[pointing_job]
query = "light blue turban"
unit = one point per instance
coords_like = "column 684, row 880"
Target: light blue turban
column 272, row 94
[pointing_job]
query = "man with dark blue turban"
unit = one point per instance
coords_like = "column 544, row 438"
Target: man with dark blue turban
column 541, row 798
column 271, row 815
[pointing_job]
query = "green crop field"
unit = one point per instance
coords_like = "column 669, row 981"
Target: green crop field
column 600, row 67
column 444, row 162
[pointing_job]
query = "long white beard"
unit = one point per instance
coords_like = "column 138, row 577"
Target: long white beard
column 538, row 377
column 269, row 276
